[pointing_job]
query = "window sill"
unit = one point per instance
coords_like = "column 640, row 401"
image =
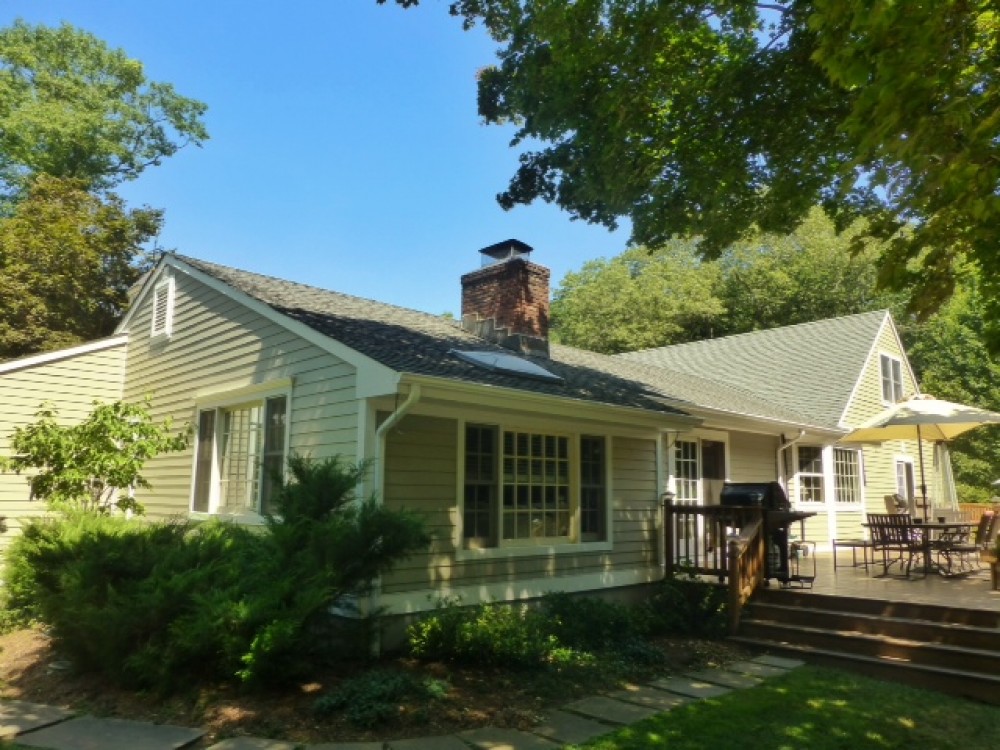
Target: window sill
column 539, row 550
column 243, row 519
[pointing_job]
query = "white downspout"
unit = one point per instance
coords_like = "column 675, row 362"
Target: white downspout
column 784, row 446
column 375, row 597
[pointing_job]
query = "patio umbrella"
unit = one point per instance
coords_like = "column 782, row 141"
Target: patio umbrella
column 920, row 418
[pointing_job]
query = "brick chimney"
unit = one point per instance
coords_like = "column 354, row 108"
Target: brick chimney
column 507, row 300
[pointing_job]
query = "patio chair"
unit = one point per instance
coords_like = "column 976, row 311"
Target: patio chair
column 894, row 537
column 896, row 503
column 955, row 550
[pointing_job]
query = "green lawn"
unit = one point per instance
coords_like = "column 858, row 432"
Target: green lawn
column 817, row 709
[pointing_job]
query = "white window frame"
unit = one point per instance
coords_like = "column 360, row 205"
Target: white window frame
column 890, row 378
column 821, row 474
column 856, row 490
column 907, row 493
column 164, row 290
column 219, row 403
column 541, row 545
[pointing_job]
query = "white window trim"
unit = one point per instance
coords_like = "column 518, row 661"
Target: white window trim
column 218, row 400
column 166, row 286
column 545, row 546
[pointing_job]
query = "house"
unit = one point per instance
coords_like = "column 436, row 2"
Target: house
column 538, row 467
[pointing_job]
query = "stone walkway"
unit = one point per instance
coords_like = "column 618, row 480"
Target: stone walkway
column 33, row 725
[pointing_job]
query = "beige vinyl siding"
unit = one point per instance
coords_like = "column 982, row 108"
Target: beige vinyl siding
column 867, row 400
column 71, row 385
column 752, row 458
column 422, row 475
column 217, row 345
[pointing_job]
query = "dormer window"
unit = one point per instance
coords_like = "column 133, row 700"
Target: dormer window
column 163, row 308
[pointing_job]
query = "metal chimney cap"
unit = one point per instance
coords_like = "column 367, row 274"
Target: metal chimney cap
column 504, row 251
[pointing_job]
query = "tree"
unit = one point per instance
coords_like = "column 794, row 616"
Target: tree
column 67, row 260
column 950, row 355
column 637, row 300
column 646, row 298
column 91, row 466
column 72, row 107
column 771, row 280
column 711, row 117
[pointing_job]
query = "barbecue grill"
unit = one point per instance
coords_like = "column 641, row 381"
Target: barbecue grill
column 778, row 516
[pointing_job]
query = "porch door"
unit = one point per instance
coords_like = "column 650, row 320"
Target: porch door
column 699, row 472
column 906, row 485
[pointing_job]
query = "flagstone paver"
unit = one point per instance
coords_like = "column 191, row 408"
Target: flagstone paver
column 17, row 717
column 562, row 726
column 690, row 686
column 90, row 733
column 447, row 742
column 610, row 710
column 494, row 738
column 727, row 678
column 254, row 743
column 355, row 746
column 755, row 668
column 650, row 697
column 782, row 662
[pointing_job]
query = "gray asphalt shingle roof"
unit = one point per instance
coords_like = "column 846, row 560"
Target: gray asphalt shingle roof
column 810, row 368
column 409, row 341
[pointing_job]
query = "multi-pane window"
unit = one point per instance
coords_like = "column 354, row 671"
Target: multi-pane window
column 535, row 486
column 520, row 487
column 480, row 486
column 810, row 474
column 686, row 460
column 593, row 489
column 846, row 475
column 892, row 379
column 240, row 456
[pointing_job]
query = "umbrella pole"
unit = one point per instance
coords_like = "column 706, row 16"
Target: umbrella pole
column 923, row 480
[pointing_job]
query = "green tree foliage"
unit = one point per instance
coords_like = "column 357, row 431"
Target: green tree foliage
column 637, row 300
column 72, row 107
column 709, row 118
column 949, row 352
column 646, row 298
column 91, row 466
column 67, row 260
column 812, row 273
column 171, row 605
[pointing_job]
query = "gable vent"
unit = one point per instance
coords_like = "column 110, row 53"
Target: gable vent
column 163, row 308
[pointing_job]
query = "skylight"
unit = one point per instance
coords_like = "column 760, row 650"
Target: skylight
column 509, row 364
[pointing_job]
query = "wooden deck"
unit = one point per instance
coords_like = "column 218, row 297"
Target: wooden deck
column 966, row 592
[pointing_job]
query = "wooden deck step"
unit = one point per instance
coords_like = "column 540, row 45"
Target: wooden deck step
column 945, row 648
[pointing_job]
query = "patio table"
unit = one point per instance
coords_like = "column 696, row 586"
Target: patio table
column 930, row 528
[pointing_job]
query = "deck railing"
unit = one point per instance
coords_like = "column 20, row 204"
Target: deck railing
column 715, row 540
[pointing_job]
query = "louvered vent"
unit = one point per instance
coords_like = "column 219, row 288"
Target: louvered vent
column 163, row 308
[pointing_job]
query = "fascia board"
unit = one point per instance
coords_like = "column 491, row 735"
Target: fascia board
column 499, row 397
column 373, row 378
column 73, row 351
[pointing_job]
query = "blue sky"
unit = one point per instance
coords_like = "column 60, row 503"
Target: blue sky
column 345, row 147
